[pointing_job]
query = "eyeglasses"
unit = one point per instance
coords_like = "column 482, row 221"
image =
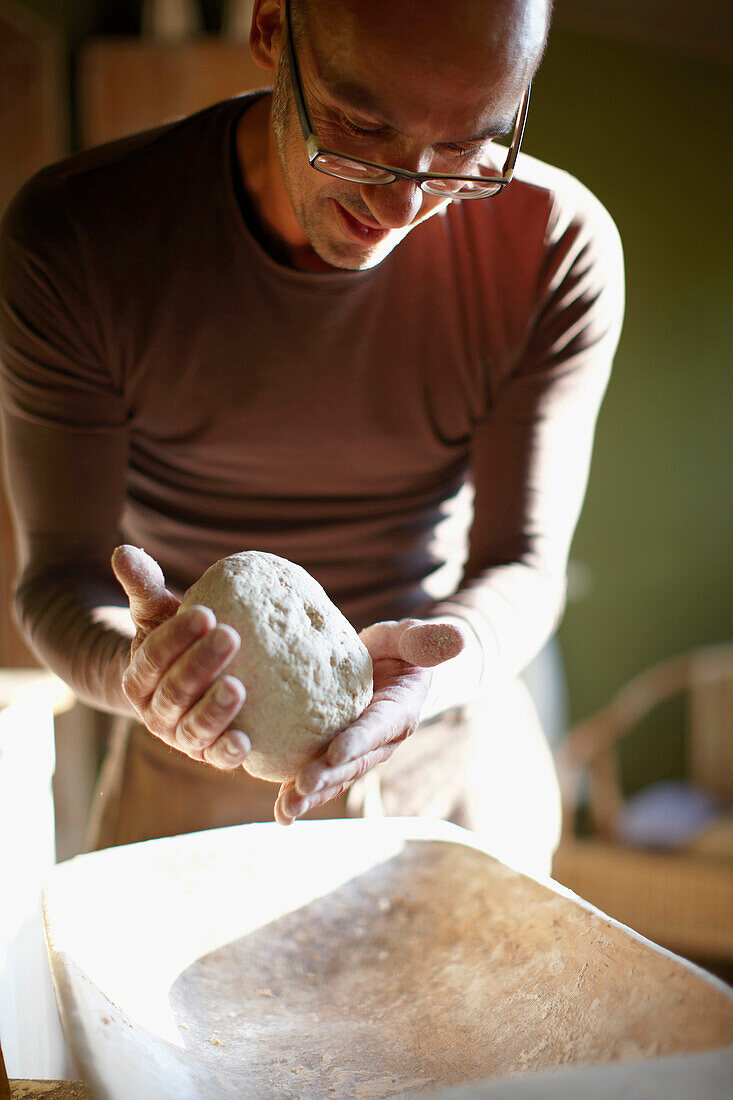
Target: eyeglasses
column 356, row 170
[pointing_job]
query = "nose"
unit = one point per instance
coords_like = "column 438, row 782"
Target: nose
column 393, row 205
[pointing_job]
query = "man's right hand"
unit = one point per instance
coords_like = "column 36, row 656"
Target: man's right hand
column 173, row 680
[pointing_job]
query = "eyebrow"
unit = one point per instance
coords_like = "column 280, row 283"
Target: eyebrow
column 355, row 95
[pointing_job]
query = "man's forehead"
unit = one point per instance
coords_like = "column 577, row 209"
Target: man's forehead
column 351, row 94
column 466, row 85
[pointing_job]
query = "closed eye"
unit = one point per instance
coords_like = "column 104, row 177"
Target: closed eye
column 464, row 150
column 453, row 148
column 361, row 131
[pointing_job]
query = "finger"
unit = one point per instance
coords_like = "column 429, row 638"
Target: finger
column 414, row 641
column 192, row 674
column 142, row 579
column 292, row 804
column 384, row 721
column 228, row 751
column 430, row 644
column 341, row 776
column 205, row 722
column 281, row 817
column 159, row 651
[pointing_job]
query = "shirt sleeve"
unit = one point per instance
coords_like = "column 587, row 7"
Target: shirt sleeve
column 65, row 440
column 531, row 452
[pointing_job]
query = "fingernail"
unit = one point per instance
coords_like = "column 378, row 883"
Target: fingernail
column 224, row 693
column 198, row 619
column 307, row 787
column 232, row 751
column 239, row 743
column 222, row 642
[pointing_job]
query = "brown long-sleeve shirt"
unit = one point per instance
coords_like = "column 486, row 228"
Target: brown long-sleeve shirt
column 165, row 382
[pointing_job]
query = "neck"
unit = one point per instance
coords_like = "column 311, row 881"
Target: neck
column 276, row 226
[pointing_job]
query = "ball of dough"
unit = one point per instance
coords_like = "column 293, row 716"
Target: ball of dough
column 306, row 673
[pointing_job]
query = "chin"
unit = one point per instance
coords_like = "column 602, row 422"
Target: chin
column 354, row 257
column 362, row 261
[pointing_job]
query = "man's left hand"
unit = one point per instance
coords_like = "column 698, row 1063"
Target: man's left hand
column 402, row 654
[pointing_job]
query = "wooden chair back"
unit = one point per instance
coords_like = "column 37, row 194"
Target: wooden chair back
column 706, row 677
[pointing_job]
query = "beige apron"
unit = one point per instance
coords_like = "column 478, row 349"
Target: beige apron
column 489, row 770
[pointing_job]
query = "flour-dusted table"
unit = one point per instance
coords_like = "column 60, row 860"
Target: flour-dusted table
column 362, row 958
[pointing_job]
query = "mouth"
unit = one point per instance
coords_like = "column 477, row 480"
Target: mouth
column 358, row 230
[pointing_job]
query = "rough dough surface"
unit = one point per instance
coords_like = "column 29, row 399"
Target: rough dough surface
column 306, row 673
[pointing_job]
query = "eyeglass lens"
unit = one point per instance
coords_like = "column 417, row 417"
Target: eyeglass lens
column 462, row 189
column 356, row 172
column 347, row 169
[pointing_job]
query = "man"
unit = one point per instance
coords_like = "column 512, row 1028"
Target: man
column 244, row 331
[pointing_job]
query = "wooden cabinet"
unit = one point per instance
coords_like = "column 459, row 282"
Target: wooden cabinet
column 127, row 84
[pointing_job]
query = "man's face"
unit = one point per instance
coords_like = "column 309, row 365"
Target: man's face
column 431, row 107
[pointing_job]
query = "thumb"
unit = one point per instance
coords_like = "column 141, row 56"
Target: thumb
column 142, row 579
column 414, row 641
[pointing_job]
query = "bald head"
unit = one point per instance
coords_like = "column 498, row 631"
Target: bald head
column 454, row 39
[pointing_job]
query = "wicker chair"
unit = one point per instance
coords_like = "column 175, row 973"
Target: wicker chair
column 681, row 899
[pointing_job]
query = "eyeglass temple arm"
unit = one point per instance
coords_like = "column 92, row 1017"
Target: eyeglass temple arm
column 511, row 160
column 305, row 122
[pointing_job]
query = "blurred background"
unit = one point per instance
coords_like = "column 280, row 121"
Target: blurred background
column 634, row 98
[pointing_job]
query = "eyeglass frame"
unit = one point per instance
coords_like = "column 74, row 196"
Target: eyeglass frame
column 315, row 149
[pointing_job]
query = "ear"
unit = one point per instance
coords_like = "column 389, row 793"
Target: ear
column 267, row 33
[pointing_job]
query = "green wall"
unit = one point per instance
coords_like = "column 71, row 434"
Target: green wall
column 649, row 133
